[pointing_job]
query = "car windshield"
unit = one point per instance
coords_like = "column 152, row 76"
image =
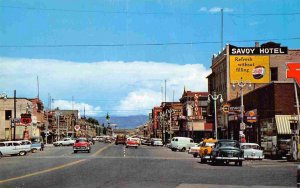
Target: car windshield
column 227, row 144
column 80, row 140
column 250, row 147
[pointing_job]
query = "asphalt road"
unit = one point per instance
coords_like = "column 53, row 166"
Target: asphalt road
column 110, row 165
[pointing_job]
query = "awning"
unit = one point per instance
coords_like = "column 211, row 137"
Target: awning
column 283, row 124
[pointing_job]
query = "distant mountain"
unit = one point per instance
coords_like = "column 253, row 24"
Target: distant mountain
column 125, row 122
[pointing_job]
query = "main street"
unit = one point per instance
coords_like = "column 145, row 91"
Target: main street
column 110, row 165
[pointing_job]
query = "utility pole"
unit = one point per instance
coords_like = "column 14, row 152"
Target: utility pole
column 222, row 29
column 15, row 112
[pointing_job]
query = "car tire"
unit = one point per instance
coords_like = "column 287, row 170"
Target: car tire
column 136, row 147
column 75, row 151
column 60, row 145
column 1, row 155
column 203, row 161
column 195, row 155
column 89, row 151
column 33, row 150
column 22, row 153
column 183, row 149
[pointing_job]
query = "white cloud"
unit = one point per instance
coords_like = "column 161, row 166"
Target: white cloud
column 69, row 105
column 139, row 102
column 215, row 9
column 111, row 85
column 203, row 9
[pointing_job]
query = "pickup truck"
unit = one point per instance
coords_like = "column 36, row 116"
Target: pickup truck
column 64, row 142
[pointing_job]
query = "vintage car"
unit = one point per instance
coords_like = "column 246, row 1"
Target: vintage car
column 195, row 150
column 13, row 148
column 64, row 142
column 132, row 142
column 227, row 151
column 206, row 149
column 82, row 144
column 252, row 151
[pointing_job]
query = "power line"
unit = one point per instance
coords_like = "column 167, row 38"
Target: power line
column 145, row 13
column 142, row 44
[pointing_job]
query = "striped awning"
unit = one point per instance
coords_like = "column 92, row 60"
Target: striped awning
column 283, row 124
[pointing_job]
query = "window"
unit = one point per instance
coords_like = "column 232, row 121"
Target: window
column 274, row 74
column 2, row 145
column 7, row 114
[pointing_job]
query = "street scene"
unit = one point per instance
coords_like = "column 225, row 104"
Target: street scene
column 127, row 93
column 110, row 165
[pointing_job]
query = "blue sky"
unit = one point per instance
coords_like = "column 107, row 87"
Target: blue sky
column 111, row 55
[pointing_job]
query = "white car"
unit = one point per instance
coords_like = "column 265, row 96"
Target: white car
column 195, row 150
column 64, row 142
column 157, row 143
column 252, row 151
column 13, row 148
column 181, row 143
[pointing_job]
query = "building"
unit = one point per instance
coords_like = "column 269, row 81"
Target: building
column 193, row 121
column 8, row 115
column 222, row 83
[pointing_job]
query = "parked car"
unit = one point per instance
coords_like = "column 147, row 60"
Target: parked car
column 252, row 151
column 181, row 143
column 82, row 144
column 158, row 143
column 227, row 151
column 154, row 139
column 13, row 148
column 195, row 150
column 206, row 149
column 34, row 146
column 132, row 142
column 64, row 142
column 120, row 139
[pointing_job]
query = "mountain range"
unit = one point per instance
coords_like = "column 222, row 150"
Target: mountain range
column 125, row 122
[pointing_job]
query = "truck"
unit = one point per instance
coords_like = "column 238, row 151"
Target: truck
column 120, row 139
column 275, row 147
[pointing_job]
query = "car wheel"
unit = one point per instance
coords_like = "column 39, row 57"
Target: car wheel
column 195, row 155
column 60, row 145
column 33, row 150
column 136, row 147
column 1, row 155
column 203, row 161
column 183, row 149
column 22, row 153
column 89, row 151
column 75, row 151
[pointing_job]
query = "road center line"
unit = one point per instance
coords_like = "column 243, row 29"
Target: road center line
column 52, row 169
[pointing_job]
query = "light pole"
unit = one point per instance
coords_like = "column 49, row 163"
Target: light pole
column 241, row 84
column 215, row 97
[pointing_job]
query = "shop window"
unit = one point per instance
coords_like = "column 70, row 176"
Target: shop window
column 274, row 74
column 7, row 114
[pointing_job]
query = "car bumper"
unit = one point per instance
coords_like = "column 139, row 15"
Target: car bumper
column 229, row 159
column 132, row 145
column 81, row 148
column 254, row 157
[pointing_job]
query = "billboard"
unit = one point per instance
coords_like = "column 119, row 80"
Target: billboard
column 255, row 69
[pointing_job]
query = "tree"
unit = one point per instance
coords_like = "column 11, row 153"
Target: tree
column 92, row 121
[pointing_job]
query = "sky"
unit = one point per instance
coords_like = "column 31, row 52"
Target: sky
column 115, row 56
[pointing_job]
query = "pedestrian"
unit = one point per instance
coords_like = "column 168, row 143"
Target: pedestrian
column 243, row 139
column 42, row 146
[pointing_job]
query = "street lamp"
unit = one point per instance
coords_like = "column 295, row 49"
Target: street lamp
column 215, row 97
column 241, row 84
column 3, row 96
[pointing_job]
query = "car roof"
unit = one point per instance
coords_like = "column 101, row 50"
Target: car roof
column 249, row 144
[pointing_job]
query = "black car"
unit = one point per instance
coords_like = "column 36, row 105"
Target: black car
column 227, row 151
